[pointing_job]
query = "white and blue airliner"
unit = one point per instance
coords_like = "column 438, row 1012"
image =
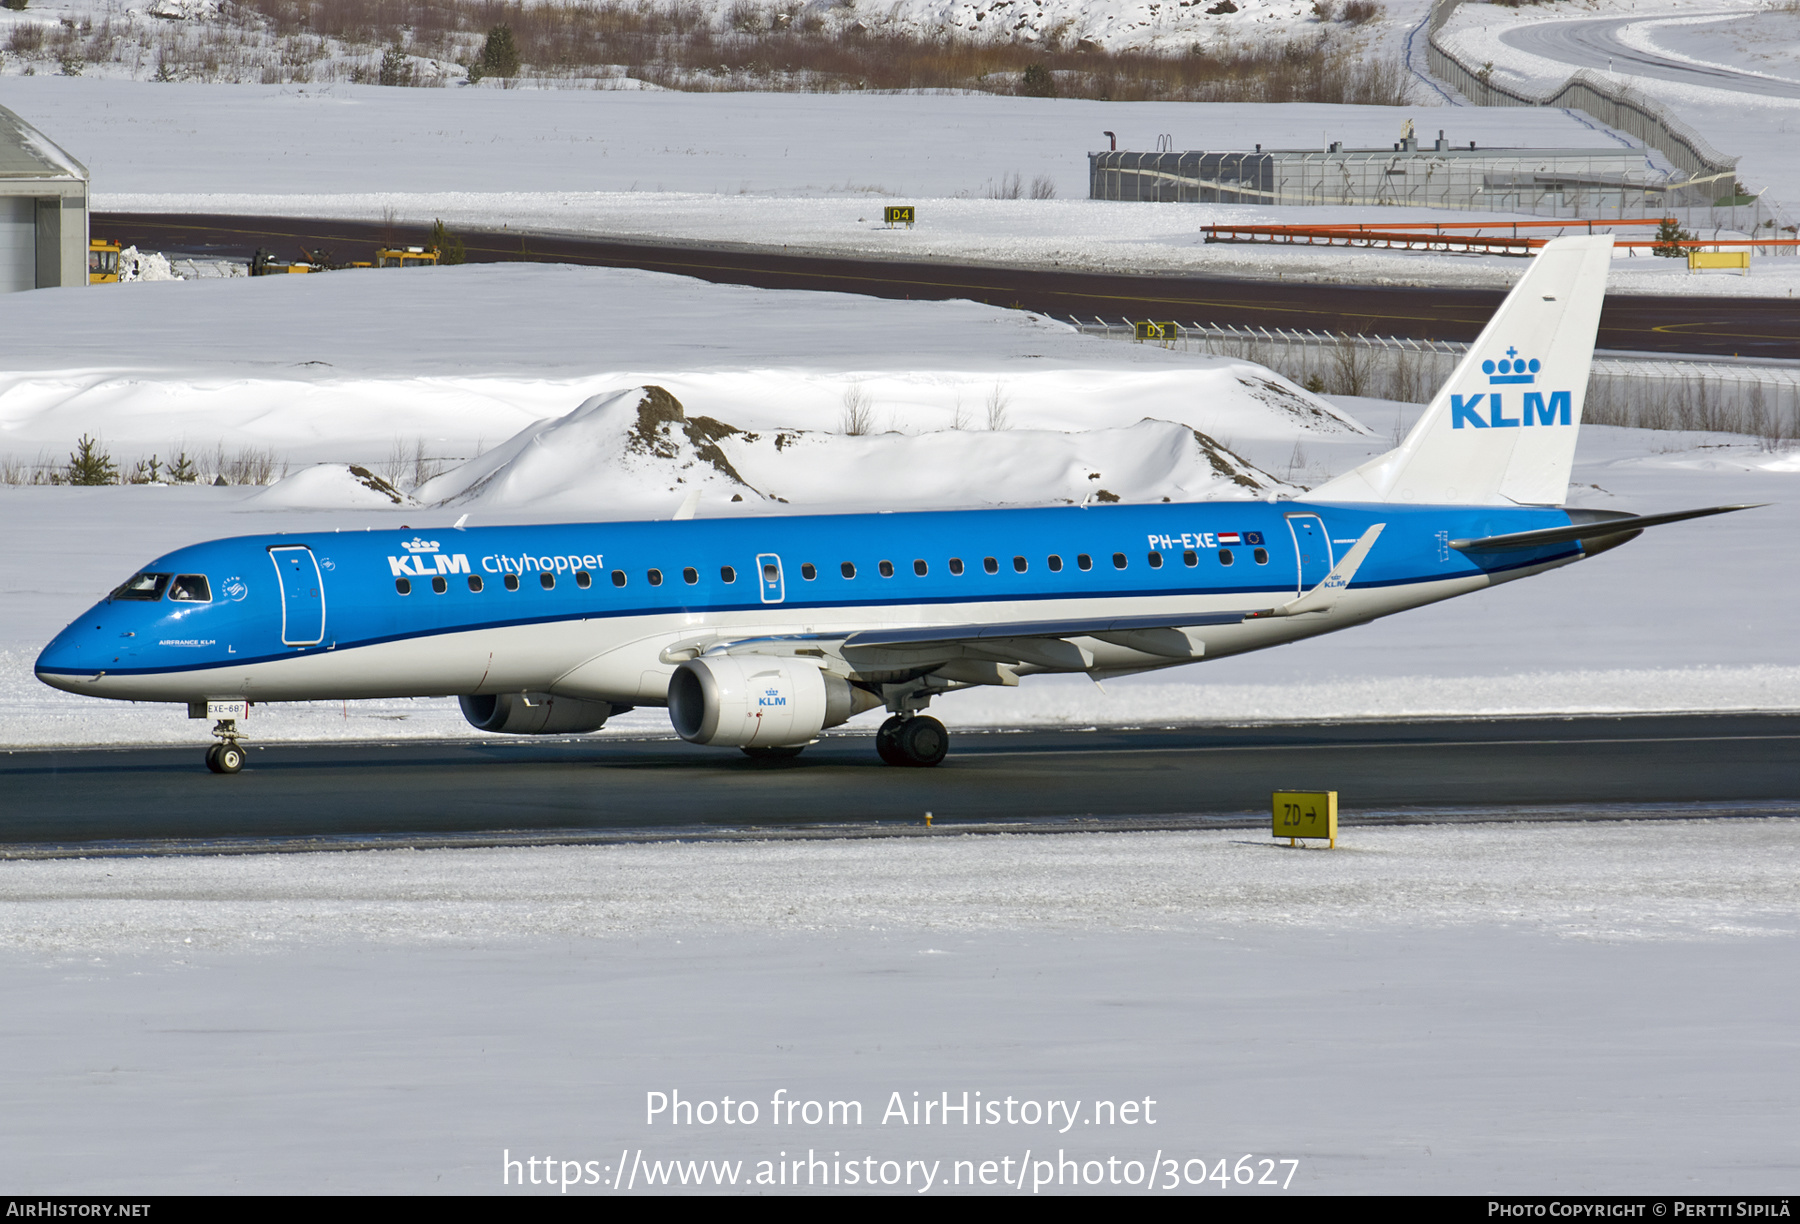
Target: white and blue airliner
column 759, row 633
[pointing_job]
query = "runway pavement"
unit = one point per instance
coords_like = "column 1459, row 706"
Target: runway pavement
column 1747, row 327
column 504, row 791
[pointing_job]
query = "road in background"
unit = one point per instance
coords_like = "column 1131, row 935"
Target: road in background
column 1596, row 44
column 1115, row 778
column 1748, row 327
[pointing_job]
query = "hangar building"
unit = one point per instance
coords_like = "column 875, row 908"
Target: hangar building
column 43, row 210
column 1439, row 176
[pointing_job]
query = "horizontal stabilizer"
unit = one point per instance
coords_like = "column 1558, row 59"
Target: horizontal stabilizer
column 1600, row 527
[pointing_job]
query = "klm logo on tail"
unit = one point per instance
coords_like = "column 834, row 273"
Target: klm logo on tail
column 1510, row 370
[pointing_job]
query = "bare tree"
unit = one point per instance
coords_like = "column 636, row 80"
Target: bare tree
column 997, row 404
column 859, row 411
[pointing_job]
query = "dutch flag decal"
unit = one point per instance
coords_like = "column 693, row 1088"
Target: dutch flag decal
column 1229, row 537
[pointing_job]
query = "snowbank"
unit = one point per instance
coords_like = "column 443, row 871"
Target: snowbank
column 340, row 367
column 637, row 451
column 326, row 486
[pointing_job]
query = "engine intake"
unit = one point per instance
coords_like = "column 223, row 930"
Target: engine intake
column 536, row 714
column 745, row 701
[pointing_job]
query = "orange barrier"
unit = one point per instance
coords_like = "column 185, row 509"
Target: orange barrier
column 1433, row 236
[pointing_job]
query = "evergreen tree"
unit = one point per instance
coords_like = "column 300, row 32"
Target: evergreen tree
column 89, row 465
column 500, row 54
column 1037, row 82
column 449, row 247
column 1669, row 237
column 396, row 69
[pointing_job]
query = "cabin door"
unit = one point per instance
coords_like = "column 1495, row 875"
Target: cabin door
column 302, row 595
column 1312, row 548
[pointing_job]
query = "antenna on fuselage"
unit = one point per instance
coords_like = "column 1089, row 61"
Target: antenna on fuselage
column 689, row 504
column 457, row 525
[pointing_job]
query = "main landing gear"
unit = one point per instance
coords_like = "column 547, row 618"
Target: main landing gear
column 226, row 756
column 912, row 739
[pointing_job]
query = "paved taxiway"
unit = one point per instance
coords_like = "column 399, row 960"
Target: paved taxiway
column 1645, row 765
column 1723, row 326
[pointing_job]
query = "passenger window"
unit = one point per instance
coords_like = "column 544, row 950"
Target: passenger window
column 1055, row 563
column 618, row 577
column 690, row 575
column 847, row 570
column 1083, row 561
column 190, row 588
column 727, row 575
column 583, row 579
column 771, row 572
column 920, row 568
column 1020, row 565
column 511, row 582
column 547, row 580
column 1155, row 559
column 439, row 585
column 1118, row 560
column 1191, row 559
column 886, row 568
column 956, row 566
column 475, row 583
column 990, row 565
column 1261, row 555
column 1225, row 557
column 809, row 571
column 403, row 585
column 655, row 577
column 143, row 586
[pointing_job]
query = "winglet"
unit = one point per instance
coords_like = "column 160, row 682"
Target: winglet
column 1324, row 597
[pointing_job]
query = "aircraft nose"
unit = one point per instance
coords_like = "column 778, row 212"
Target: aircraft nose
column 74, row 656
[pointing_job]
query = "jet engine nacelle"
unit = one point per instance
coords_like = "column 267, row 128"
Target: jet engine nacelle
column 535, row 714
column 751, row 701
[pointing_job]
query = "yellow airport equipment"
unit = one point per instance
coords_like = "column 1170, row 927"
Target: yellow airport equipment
column 1698, row 259
column 103, row 262
column 1300, row 814
column 1162, row 332
column 898, row 214
column 406, row 257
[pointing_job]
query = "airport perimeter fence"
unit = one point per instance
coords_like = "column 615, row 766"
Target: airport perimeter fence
column 1711, row 176
column 1760, row 401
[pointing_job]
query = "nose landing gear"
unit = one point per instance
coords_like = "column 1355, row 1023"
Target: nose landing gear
column 917, row 740
column 226, row 756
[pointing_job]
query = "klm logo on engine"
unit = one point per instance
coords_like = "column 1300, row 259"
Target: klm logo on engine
column 770, row 698
column 1489, row 409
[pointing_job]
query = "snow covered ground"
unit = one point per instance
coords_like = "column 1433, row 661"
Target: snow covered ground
column 1569, row 1009
column 796, row 170
column 355, row 367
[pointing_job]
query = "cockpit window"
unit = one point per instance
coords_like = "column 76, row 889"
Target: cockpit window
column 191, row 588
column 148, row 587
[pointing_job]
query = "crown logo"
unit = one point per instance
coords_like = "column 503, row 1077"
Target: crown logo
column 417, row 545
column 1511, row 368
